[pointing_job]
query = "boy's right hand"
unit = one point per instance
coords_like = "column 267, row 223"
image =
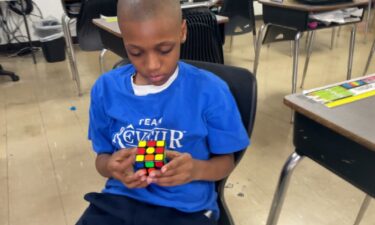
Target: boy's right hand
column 120, row 166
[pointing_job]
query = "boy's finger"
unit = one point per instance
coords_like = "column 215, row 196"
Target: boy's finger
column 155, row 174
column 123, row 154
column 130, row 178
column 135, row 184
column 171, row 154
column 126, row 163
column 169, row 173
column 141, row 173
column 173, row 164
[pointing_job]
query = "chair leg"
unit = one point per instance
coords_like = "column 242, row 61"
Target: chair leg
column 101, row 60
column 309, row 52
column 12, row 75
column 368, row 19
column 282, row 186
column 339, row 31
column 362, row 210
column 369, row 58
column 65, row 20
column 254, row 42
column 333, row 35
column 258, row 47
column 351, row 51
column 230, row 42
column 291, row 48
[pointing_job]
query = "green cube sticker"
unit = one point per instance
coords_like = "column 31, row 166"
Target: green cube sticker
column 149, row 165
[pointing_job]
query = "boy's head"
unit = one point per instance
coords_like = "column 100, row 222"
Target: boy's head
column 153, row 31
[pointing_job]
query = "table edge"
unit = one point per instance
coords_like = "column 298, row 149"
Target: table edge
column 338, row 129
column 312, row 8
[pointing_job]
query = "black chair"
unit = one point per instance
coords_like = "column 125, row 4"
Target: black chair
column 243, row 86
column 12, row 75
column 203, row 42
column 241, row 18
column 87, row 33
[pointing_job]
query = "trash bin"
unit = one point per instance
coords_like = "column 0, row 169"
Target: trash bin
column 50, row 34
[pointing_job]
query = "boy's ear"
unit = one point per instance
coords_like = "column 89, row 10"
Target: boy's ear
column 183, row 31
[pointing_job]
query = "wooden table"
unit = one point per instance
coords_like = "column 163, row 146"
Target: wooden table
column 341, row 139
column 291, row 18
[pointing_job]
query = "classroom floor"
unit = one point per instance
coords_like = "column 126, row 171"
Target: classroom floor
column 46, row 162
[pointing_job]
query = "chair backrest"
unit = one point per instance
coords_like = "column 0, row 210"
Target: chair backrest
column 87, row 33
column 241, row 16
column 203, row 42
column 243, row 86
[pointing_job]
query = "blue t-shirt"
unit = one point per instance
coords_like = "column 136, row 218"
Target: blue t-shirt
column 195, row 114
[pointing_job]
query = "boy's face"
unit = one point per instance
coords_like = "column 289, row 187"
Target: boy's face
column 153, row 46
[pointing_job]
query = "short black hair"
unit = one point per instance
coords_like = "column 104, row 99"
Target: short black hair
column 140, row 10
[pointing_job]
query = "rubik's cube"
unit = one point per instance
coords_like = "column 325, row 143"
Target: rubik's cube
column 150, row 155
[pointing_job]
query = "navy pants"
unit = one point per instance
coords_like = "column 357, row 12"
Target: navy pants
column 109, row 209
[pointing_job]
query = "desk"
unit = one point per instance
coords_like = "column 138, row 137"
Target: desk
column 112, row 40
column 341, row 139
column 294, row 17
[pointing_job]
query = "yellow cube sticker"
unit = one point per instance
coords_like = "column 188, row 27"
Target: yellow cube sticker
column 159, row 157
column 150, row 150
column 160, row 144
column 142, row 144
column 139, row 158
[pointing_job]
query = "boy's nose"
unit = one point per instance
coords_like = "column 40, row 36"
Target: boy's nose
column 153, row 63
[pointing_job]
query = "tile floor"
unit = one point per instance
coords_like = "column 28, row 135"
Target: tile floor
column 46, row 164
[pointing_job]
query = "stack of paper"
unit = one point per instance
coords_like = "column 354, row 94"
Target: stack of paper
column 338, row 16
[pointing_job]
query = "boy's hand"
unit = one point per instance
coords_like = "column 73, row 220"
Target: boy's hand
column 120, row 166
column 181, row 169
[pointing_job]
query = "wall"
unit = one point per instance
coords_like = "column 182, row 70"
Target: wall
column 257, row 8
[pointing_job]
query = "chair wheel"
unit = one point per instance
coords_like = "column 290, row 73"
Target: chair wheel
column 15, row 78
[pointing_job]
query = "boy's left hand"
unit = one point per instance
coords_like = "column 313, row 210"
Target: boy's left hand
column 181, row 169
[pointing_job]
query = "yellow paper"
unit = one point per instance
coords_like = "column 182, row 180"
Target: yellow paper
column 111, row 19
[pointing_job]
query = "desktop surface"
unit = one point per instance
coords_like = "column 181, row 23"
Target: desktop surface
column 323, row 2
column 354, row 120
column 294, row 4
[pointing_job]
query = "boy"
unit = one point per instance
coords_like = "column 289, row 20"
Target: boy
column 159, row 98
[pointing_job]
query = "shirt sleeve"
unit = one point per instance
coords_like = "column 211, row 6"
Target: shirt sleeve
column 99, row 125
column 226, row 132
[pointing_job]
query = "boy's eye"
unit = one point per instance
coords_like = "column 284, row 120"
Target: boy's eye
column 135, row 54
column 165, row 51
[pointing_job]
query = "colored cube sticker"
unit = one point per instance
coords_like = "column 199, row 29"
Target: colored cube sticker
column 150, row 155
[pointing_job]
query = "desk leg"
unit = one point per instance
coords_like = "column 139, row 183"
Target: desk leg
column 295, row 68
column 28, row 32
column 70, row 50
column 311, row 39
column 351, row 51
column 295, row 61
column 101, row 60
column 282, row 186
column 333, row 36
column 368, row 19
column 362, row 210
column 369, row 58
column 258, row 46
